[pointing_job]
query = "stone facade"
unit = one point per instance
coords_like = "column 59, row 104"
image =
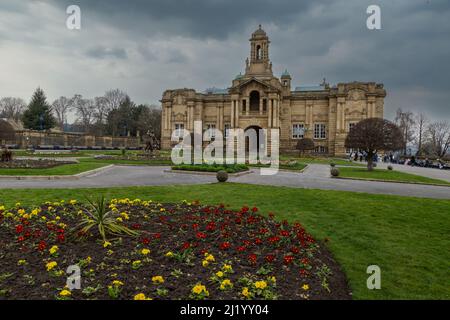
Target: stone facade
column 258, row 99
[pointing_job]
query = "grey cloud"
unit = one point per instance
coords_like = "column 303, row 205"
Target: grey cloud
column 103, row 53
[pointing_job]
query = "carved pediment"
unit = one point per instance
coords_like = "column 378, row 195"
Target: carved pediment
column 253, row 82
column 356, row 95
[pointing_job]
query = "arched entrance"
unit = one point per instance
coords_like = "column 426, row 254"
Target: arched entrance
column 254, row 100
column 253, row 143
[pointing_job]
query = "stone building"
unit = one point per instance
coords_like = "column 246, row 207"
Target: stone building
column 258, row 99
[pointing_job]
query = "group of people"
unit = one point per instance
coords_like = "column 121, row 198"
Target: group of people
column 362, row 156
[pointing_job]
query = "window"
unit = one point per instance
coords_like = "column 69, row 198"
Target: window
column 351, row 125
column 227, row 128
column 244, row 105
column 298, row 131
column 320, row 131
column 179, row 130
column 213, row 127
column 320, row 149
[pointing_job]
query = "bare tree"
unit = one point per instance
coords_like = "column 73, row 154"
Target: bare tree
column 12, row 108
column 405, row 121
column 439, row 137
column 373, row 135
column 61, row 107
column 114, row 98
column 85, row 110
column 421, row 123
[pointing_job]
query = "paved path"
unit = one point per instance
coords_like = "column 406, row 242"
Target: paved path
column 315, row 176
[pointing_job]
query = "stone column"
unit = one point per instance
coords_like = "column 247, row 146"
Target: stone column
column 270, row 113
column 260, row 105
column 232, row 113
column 247, row 106
column 237, row 112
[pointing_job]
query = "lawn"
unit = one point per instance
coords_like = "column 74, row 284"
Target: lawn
column 327, row 161
column 65, row 169
column 406, row 237
column 387, row 175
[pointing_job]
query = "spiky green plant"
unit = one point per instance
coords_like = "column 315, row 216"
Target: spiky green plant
column 99, row 215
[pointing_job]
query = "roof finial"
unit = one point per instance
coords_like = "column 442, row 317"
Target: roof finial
column 260, row 27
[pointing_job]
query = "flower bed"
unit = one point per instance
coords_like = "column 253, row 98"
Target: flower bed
column 182, row 251
column 230, row 168
column 33, row 164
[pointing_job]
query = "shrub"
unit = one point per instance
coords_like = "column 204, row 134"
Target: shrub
column 390, row 167
column 334, row 172
column 101, row 217
column 332, row 164
column 222, row 176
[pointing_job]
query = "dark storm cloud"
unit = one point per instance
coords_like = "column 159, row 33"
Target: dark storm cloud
column 154, row 45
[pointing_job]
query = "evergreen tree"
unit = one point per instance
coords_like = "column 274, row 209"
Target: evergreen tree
column 38, row 115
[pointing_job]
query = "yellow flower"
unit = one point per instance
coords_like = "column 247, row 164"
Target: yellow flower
column 53, row 250
column 88, row 259
column 209, row 257
column 273, row 279
column 219, row 274
column 72, row 202
column 51, row 265
column 261, row 284
column 169, row 254
column 106, row 244
column 136, row 264
column 205, row 263
column 227, row 268
column 157, row 279
column 117, row 283
column 141, row 296
column 21, row 212
column 125, row 215
column 245, row 292
column 145, row 252
column 21, row 262
column 199, row 289
column 162, row 209
column 65, row 293
column 225, row 284
column 119, row 219
column 305, row 287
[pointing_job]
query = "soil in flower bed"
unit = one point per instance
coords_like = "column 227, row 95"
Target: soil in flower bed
column 183, row 251
column 33, row 164
column 230, row 168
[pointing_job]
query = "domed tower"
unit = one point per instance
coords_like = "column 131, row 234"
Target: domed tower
column 259, row 54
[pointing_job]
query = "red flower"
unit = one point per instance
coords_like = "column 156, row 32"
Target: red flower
column 304, row 261
column 157, row 236
column 61, row 237
column 201, row 235
column 284, row 233
column 211, row 226
column 244, row 209
column 269, row 258
column 252, row 258
column 146, row 241
column 247, row 243
column 195, row 226
column 303, row 272
column 254, row 209
column 238, row 220
column 240, row 249
column 136, row 226
column 42, row 245
column 19, row 228
column 258, row 241
column 295, row 250
column 224, row 246
column 274, row 239
column 21, row 239
column 186, row 245
column 263, row 230
column 271, row 215
column 288, row 259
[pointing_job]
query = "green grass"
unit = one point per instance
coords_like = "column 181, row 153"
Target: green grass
column 327, row 161
column 387, row 175
column 406, row 237
column 294, row 167
column 64, row 170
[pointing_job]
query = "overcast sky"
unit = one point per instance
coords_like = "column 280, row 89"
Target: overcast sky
column 145, row 47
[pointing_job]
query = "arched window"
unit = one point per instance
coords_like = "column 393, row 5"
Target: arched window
column 258, row 52
column 254, row 101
